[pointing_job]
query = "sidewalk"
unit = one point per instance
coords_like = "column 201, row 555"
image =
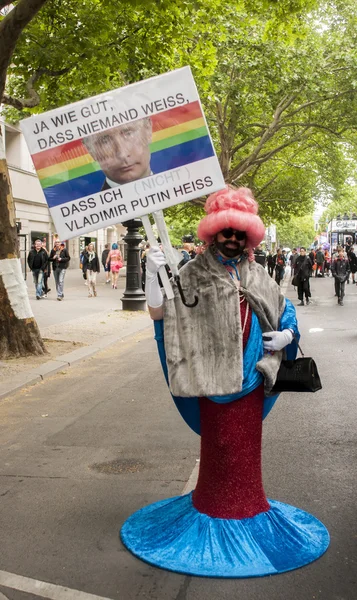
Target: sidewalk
column 73, row 329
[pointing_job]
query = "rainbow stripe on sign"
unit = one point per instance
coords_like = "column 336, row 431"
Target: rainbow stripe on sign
column 68, row 172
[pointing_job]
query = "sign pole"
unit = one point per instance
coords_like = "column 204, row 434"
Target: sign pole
column 162, row 271
column 166, row 242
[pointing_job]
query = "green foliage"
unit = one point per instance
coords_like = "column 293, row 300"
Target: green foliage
column 295, row 232
column 278, row 81
column 346, row 202
column 284, row 107
column 95, row 45
column 183, row 219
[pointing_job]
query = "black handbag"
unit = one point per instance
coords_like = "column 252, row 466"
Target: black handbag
column 299, row 375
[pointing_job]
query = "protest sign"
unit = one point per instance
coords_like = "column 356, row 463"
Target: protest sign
column 123, row 154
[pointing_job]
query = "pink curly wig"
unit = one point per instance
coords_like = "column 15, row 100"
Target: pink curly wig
column 236, row 208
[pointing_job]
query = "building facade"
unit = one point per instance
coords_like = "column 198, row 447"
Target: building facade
column 32, row 214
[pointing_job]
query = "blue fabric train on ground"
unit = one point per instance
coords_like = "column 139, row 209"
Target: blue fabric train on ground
column 221, row 359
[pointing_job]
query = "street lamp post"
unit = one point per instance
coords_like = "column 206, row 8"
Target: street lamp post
column 134, row 297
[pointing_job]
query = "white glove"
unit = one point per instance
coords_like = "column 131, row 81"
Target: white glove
column 154, row 260
column 277, row 340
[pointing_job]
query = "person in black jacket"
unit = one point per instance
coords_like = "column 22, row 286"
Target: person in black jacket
column 271, row 263
column 279, row 264
column 340, row 268
column 353, row 263
column 37, row 260
column 91, row 267
column 260, row 256
column 303, row 272
column 47, row 272
column 106, row 266
column 59, row 258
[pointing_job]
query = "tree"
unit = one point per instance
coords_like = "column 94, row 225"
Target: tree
column 57, row 57
column 60, row 58
column 344, row 203
column 278, row 83
column 296, row 232
column 182, row 220
column 284, row 106
column 19, row 334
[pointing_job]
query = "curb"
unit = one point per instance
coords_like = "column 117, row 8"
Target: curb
column 64, row 361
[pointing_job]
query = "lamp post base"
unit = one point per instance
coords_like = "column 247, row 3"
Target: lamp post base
column 133, row 303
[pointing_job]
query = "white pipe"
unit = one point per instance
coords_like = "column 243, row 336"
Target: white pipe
column 162, row 271
column 166, row 242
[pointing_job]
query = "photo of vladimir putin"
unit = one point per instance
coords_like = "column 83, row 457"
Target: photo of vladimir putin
column 123, row 152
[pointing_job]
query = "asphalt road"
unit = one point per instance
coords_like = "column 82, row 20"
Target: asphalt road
column 60, row 513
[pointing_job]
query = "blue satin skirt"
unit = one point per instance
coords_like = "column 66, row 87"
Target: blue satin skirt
column 173, row 535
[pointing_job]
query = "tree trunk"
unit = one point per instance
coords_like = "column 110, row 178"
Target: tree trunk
column 19, row 333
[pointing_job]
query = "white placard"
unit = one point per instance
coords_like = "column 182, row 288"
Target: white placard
column 123, row 154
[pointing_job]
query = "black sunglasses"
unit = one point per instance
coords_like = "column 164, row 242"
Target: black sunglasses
column 228, row 232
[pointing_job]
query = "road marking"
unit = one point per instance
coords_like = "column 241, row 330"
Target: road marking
column 315, row 329
column 192, row 480
column 43, row 589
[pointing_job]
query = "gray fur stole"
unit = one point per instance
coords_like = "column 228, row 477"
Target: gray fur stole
column 204, row 344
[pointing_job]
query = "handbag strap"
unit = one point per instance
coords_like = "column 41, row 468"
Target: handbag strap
column 298, row 345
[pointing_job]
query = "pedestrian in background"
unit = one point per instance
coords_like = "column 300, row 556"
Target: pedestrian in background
column 81, row 258
column 37, row 260
column 301, row 279
column 353, row 263
column 192, row 251
column 279, row 262
column 116, row 262
column 312, row 255
column 260, row 256
column 292, row 259
column 59, row 258
column 143, row 260
column 91, row 266
column 270, row 263
column 320, row 259
column 340, row 268
column 104, row 263
column 327, row 263
column 47, row 272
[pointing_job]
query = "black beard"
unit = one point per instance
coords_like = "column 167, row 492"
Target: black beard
column 229, row 252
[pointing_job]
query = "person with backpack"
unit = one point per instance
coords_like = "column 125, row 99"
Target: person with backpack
column 320, row 260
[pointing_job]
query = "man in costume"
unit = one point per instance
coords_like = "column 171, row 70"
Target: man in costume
column 221, row 358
